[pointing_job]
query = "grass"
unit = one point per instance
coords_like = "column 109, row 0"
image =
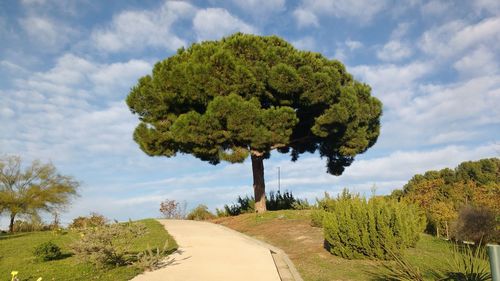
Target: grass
column 291, row 231
column 16, row 253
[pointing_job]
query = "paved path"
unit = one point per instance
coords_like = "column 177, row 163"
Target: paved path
column 210, row 252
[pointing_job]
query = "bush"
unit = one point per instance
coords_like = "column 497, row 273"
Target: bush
column 152, row 260
column 357, row 228
column 274, row 201
column 476, row 224
column 200, row 213
column 467, row 264
column 30, row 224
column 47, row 251
column 172, row 209
column 94, row 220
column 108, row 245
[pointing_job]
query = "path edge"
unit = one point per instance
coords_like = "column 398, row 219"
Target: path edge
column 279, row 252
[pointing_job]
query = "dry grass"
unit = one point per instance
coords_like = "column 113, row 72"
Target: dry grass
column 291, row 231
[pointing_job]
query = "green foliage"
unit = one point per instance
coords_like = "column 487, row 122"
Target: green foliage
column 357, row 228
column 38, row 187
column 47, row 251
column 200, row 213
column 221, row 100
column 467, row 264
column 30, row 223
column 153, row 259
column 93, row 220
column 274, row 201
column 442, row 194
column 401, row 270
column 16, row 251
column 108, row 245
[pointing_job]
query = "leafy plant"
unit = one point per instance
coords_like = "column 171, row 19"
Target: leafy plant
column 108, row 245
column 153, row 259
column 401, row 269
column 47, row 251
column 357, row 228
column 467, row 264
column 93, row 220
column 200, row 213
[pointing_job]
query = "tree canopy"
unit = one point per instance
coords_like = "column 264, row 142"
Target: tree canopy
column 36, row 188
column 248, row 95
column 442, row 194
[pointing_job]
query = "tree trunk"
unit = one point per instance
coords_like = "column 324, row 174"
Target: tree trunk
column 11, row 225
column 259, row 187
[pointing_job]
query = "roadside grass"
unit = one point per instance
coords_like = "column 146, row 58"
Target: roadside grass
column 16, row 254
column 291, row 231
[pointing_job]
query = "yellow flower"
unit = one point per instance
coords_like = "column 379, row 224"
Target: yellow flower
column 14, row 273
column 39, row 279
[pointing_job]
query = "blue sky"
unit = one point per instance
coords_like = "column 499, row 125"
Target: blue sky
column 67, row 66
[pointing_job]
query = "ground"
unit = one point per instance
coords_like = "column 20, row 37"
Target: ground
column 16, row 254
column 292, row 232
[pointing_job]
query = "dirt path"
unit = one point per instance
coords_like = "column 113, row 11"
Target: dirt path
column 212, row 252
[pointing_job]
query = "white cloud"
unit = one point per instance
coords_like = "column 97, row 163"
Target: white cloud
column 454, row 37
column 306, row 43
column 482, row 61
column 360, row 11
column 261, row 8
column 488, row 6
column 214, row 23
column 392, row 83
column 394, row 50
column 137, row 30
column 353, row 44
column 436, row 8
column 305, row 18
column 51, row 35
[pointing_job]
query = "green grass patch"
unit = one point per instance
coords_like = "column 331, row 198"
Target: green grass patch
column 16, row 254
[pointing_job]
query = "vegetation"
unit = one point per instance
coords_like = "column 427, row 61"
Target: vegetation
column 171, row 209
column 108, row 245
column 38, row 187
column 16, row 251
column 47, row 251
column 247, row 95
column 93, row 220
column 291, row 231
column 443, row 194
column 200, row 213
column 274, row 201
column 355, row 227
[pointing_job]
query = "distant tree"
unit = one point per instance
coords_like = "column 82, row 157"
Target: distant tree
column 36, row 188
column 442, row 194
column 248, row 95
column 172, row 209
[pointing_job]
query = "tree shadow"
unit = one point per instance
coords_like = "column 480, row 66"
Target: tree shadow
column 13, row 235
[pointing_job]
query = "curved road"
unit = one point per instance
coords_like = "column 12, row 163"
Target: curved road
column 211, row 252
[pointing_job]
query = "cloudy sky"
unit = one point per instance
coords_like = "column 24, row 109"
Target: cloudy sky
column 67, row 66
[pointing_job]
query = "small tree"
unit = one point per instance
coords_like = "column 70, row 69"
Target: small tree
column 248, row 95
column 36, row 188
column 172, row 209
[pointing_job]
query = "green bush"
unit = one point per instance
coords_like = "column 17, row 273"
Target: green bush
column 274, row 201
column 94, row 220
column 108, row 245
column 355, row 227
column 47, row 251
column 200, row 213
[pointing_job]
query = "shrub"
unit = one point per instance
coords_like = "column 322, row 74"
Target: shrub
column 467, row 264
column 47, row 251
column 476, row 224
column 172, row 209
column 152, row 260
column 93, row 220
column 356, row 228
column 200, row 213
column 29, row 224
column 317, row 218
column 274, row 201
column 108, row 245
